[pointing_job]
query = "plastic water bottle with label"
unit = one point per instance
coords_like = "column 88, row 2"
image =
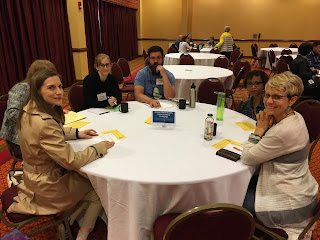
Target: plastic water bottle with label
column 208, row 127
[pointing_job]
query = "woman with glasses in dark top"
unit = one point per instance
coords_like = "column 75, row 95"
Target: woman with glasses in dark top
column 254, row 82
column 101, row 89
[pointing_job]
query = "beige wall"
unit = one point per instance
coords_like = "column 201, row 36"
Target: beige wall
column 274, row 19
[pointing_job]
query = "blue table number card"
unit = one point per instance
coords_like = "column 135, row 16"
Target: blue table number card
column 163, row 117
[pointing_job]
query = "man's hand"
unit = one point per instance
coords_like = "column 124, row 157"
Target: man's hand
column 112, row 101
column 155, row 103
column 87, row 133
column 161, row 70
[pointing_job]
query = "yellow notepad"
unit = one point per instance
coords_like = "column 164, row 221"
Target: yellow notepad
column 78, row 124
column 224, row 143
column 72, row 117
column 116, row 133
column 148, row 120
column 247, row 126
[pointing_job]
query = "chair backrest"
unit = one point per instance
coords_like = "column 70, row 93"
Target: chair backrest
column 273, row 45
column 195, row 50
column 286, row 51
column 117, row 73
column 282, row 66
column 208, row 90
column 172, row 50
column 293, row 45
column 253, row 50
column 272, row 57
column 238, row 78
column 145, row 55
column 222, row 62
column 186, row 59
column 146, row 61
column 75, row 96
column 124, row 65
column 3, row 106
column 234, row 55
column 288, row 59
column 215, row 50
column 239, row 64
column 213, row 221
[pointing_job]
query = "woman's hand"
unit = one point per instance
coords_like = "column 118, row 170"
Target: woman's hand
column 87, row 133
column 107, row 144
column 264, row 121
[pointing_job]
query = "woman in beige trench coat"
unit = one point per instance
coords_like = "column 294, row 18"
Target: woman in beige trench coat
column 51, row 181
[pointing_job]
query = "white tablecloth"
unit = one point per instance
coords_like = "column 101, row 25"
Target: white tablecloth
column 187, row 74
column 157, row 170
column 204, row 59
column 292, row 55
column 263, row 52
column 205, row 50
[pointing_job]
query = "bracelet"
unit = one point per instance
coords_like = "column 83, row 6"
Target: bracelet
column 256, row 135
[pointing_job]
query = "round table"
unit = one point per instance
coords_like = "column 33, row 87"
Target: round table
column 205, row 50
column 185, row 75
column 263, row 52
column 204, row 59
column 157, row 170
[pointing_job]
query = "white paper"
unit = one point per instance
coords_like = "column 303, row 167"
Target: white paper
column 165, row 105
column 81, row 144
column 98, row 111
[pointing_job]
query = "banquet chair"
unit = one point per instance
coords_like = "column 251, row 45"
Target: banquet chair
column 208, row 90
column 75, row 96
column 272, row 60
column 288, row 59
column 281, row 66
column 172, row 50
column 256, row 59
column 17, row 220
column 273, row 45
column 239, row 64
column 145, row 55
column 3, row 106
column 279, row 234
column 222, row 62
column 195, row 50
column 234, row 56
column 125, row 68
column 286, row 51
column 146, row 61
column 293, row 45
column 230, row 92
column 310, row 110
column 215, row 50
column 212, row 221
column 128, row 89
column 186, row 59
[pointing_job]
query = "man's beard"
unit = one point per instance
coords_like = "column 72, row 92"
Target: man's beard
column 153, row 69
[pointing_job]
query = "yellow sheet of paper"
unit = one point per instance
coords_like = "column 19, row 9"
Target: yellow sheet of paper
column 148, row 120
column 247, row 126
column 78, row 124
column 115, row 132
column 73, row 117
column 224, row 143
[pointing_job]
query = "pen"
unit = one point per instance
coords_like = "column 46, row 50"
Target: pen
column 115, row 102
column 103, row 113
column 237, row 149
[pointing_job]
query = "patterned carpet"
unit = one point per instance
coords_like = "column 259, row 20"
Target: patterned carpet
column 100, row 231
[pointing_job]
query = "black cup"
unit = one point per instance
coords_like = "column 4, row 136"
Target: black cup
column 182, row 104
column 124, row 107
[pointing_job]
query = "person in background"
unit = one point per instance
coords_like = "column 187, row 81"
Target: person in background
column 184, row 46
column 314, row 56
column 52, row 183
column 225, row 43
column 211, row 42
column 17, row 95
column 189, row 40
column 285, row 193
column 101, row 89
column 153, row 82
column 301, row 67
column 254, row 82
column 177, row 43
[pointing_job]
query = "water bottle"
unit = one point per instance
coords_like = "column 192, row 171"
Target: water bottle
column 208, row 127
column 192, row 95
column 220, row 105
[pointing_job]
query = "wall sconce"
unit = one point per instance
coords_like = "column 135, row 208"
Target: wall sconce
column 79, row 5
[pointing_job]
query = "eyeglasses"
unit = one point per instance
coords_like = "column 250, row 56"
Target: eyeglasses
column 274, row 97
column 105, row 65
column 256, row 84
column 154, row 58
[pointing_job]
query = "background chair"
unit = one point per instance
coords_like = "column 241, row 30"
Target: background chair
column 195, row 50
column 222, row 62
column 215, row 50
column 288, row 59
column 254, row 51
column 186, row 59
column 172, row 50
column 208, row 90
column 75, row 96
column 234, row 56
column 125, row 68
column 239, row 64
column 213, row 221
column 293, row 45
column 272, row 60
column 281, row 66
column 146, row 61
column 310, row 110
column 128, row 89
column 17, row 220
column 273, row 45
column 3, row 106
column 230, row 92
column 145, row 55
column 286, row 51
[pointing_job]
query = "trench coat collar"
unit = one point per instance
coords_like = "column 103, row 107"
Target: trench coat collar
column 32, row 109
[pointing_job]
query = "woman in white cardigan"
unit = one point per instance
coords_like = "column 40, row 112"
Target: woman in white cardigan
column 285, row 194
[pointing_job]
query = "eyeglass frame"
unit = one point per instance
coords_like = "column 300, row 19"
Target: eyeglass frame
column 275, row 97
column 105, row 65
column 256, row 84
column 156, row 58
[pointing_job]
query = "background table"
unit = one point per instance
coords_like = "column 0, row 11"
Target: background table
column 157, row 170
column 205, row 50
column 292, row 55
column 204, row 59
column 263, row 52
column 187, row 74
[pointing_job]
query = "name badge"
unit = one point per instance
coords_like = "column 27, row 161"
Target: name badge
column 159, row 81
column 102, row 97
